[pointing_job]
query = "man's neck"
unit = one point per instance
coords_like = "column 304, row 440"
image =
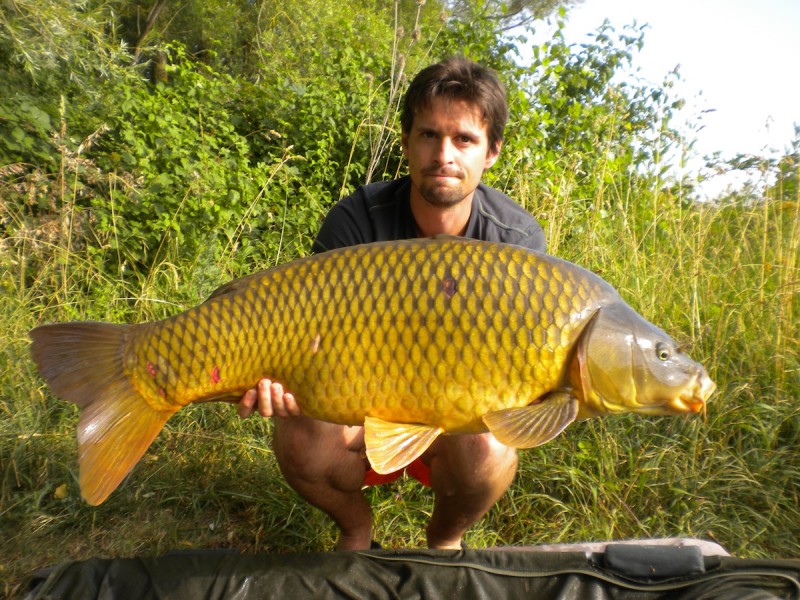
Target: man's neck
column 435, row 220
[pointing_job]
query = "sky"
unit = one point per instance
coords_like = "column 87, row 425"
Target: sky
column 738, row 58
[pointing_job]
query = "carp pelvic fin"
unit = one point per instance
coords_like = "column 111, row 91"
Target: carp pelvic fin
column 392, row 446
column 535, row 424
column 82, row 363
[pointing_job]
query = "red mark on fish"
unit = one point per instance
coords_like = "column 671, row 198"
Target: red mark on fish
column 215, row 378
column 449, row 287
column 151, row 368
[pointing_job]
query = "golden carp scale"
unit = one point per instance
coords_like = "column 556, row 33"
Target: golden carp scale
column 425, row 331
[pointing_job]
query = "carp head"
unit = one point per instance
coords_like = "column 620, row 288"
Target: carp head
column 626, row 364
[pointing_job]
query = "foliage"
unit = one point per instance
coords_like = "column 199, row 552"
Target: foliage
column 778, row 173
column 26, row 128
column 246, row 154
column 194, row 181
column 786, row 171
column 48, row 53
column 507, row 15
column 576, row 114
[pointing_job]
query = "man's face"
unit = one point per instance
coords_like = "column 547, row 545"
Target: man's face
column 447, row 151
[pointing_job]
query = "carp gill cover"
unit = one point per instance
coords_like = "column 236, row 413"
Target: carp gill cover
column 411, row 339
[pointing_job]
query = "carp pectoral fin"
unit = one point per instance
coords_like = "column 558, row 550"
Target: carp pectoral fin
column 392, row 446
column 534, row 424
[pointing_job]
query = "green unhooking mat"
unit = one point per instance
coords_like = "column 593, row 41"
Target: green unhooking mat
column 619, row 572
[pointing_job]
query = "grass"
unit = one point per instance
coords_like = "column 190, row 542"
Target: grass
column 723, row 280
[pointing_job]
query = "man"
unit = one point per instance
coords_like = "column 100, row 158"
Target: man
column 452, row 123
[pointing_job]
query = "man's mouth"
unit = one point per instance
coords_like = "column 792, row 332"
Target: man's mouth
column 443, row 174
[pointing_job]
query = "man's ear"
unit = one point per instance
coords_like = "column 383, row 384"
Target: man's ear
column 404, row 143
column 492, row 154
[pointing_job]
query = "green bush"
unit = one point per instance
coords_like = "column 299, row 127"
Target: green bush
column 192, row 181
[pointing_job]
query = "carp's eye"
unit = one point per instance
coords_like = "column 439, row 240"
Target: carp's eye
column 662, row 352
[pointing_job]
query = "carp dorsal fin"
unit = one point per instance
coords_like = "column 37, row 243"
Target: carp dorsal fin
column 535, row 424
column 392, row 446
column 443, row 237
column 230, row 287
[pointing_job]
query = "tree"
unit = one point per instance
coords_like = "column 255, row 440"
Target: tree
column 266, row 113
column 507, row 15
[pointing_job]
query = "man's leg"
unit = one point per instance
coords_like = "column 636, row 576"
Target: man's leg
column 469, row 473
column 325, row 464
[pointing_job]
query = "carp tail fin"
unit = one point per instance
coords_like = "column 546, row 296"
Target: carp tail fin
column 82, row 363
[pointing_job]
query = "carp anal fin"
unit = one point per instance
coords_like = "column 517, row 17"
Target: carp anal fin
column 82, row 363
column 535, row 424
column 392, row 446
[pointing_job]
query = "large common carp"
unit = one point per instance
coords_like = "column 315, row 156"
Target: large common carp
column 411, row 338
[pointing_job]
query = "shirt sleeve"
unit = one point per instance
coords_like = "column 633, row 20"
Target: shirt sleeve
column 535, row 239
column 497, row 218
column 343, row 226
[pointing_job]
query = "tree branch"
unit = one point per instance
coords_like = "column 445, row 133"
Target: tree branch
column 152, row 17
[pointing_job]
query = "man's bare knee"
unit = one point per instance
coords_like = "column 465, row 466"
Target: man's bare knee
column 471, row 464
column 486, row 450
column 315, row 452
column 294, row 445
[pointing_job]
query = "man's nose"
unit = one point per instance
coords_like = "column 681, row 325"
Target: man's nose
column 445, row 151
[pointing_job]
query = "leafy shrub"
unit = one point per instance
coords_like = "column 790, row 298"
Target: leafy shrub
column 573, row 112
column 194, row 184
column 218, row 163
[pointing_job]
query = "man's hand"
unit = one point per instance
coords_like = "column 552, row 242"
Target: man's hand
column 269, row 399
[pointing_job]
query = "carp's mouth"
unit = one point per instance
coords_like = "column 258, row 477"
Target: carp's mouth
column 684, row 405
column 694, row 400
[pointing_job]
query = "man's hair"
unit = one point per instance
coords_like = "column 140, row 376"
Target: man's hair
column 458, row 78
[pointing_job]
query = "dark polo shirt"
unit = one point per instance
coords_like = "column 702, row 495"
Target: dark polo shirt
column 381, row 212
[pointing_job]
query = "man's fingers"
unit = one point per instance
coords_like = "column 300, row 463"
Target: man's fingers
column 265, row 403
column 269, row 399
column 283, row 403
column 245, row 407
column 291, row 405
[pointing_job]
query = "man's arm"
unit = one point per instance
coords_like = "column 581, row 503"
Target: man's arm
column 535, row 240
